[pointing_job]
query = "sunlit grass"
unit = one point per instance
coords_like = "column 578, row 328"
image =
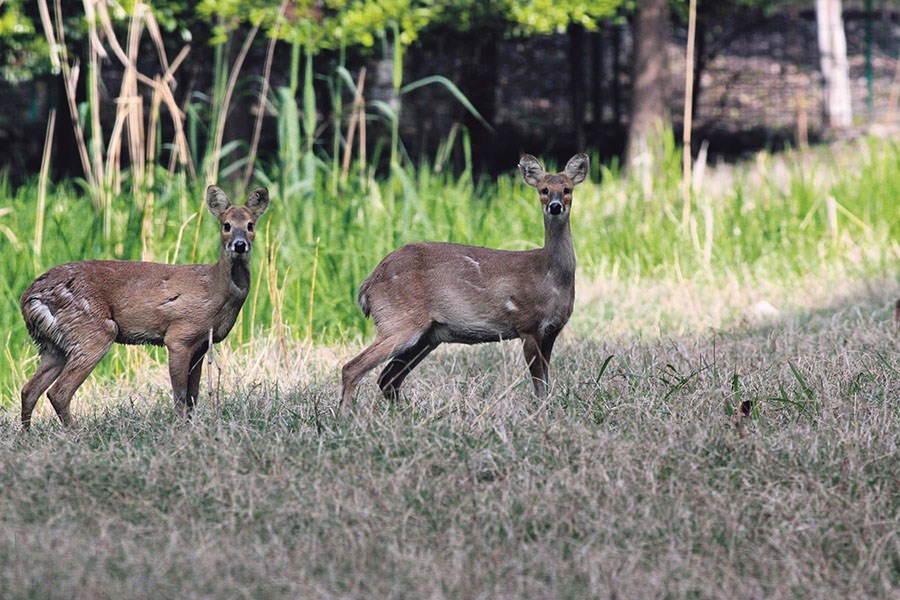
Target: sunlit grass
column 777, row 219
column 635, row 478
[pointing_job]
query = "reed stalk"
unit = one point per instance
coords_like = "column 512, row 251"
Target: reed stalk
column 41, row 212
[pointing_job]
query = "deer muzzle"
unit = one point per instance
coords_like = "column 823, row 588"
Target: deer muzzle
column 555, row 207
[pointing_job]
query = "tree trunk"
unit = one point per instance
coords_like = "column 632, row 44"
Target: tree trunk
column 833, row 60
column 649, row 109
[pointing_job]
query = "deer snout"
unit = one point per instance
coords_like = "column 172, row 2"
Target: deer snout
column 239, row 244
column 555, row 207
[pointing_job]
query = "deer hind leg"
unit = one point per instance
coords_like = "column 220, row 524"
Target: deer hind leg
column 383, row 348
column 395, row 372
column 49, row 368
column 81, row 360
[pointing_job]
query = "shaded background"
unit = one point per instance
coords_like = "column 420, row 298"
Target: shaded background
column 757, row 83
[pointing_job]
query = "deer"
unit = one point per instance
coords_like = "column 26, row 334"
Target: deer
column 75, row 311
column 427, row 293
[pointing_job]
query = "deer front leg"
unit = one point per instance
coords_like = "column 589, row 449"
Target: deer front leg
column 535, row 361
column 196, row 369
column 546, row 350
column 179, row 372
column 537, row 355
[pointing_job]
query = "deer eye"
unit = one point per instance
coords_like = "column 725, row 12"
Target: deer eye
column 545, row 191
column 250, row 226
column 567, row 191
column 226, row 227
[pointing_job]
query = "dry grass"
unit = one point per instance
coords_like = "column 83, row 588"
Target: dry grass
column 635, row 479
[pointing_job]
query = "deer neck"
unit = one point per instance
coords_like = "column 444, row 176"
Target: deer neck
column 234, row 273
column 559, row 250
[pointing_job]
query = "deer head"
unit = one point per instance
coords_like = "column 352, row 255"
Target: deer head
column 555, row 189
column 238, row 222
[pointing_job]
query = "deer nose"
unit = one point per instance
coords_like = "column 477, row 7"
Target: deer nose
column 240, row 246
column 555, row 207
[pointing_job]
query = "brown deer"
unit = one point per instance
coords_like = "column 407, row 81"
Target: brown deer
column 423, row 294
column 74, row 312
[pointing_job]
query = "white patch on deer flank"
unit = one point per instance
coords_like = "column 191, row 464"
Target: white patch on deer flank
column 85, row 305
column 474, row 262
column 41, row 314
column 511, row 306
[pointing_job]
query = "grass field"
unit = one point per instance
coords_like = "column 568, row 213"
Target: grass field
column 637, row 478
column 828, row 214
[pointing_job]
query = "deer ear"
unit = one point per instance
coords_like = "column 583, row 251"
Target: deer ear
column 257, row 202
column 217, row 201
column 532, row 170
column 578, row 167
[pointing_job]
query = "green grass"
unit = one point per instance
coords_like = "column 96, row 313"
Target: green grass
column 770, row 220
column 637, row 477
column 632, row 480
